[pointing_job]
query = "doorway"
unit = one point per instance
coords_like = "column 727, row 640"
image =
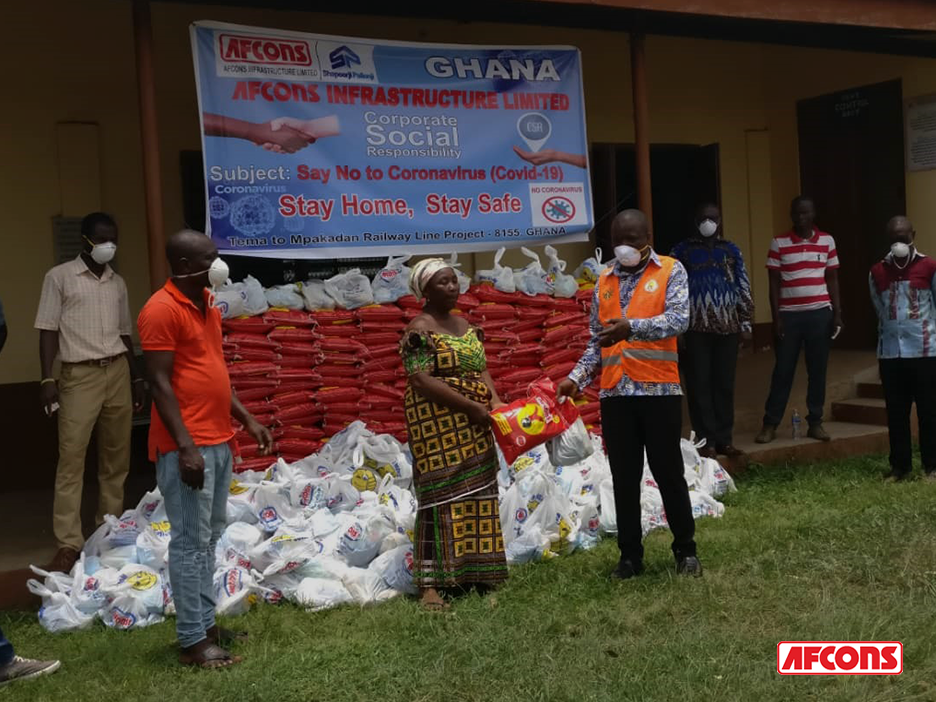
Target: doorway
column 851, row 152
column 683, row 177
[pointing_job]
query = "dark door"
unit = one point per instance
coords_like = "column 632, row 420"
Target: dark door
column 852, row 163
column 683, row 176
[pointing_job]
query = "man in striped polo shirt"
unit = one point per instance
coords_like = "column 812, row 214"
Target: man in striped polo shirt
column 807, row 314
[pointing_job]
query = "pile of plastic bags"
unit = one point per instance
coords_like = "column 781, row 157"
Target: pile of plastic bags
column 336, row 528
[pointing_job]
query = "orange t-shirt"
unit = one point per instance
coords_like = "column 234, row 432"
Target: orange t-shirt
column 171, row 322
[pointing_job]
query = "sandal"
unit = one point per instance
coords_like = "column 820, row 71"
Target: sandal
column 207, row 656
column 434, row 604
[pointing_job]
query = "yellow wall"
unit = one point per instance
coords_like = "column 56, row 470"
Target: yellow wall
column 81, row 68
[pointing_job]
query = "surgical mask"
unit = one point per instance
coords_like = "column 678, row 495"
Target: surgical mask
column 707, row 227
column 218, row 273
column 102, row 253
column 628, row 256
column 900, row 249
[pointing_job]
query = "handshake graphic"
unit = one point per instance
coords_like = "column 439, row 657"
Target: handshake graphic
column 283, row 135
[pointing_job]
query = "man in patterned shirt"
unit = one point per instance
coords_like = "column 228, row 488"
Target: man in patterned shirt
column 641, row 305
column 721, row 311
column 903, row 290
column 807, row 314
column 84, row 319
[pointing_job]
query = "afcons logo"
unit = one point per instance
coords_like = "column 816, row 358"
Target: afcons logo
column 240, row 48
column 840, row 658
column 343, row 57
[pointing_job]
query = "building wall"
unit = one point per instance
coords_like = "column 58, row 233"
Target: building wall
column 81, row 68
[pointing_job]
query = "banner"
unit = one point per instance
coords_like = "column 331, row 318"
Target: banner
column 319, row 146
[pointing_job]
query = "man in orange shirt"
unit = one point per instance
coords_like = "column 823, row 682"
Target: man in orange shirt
column 191, row 426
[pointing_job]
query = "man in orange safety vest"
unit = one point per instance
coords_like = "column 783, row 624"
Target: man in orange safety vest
column 641, row 306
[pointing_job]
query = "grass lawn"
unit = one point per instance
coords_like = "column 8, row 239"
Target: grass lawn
column 822, row 552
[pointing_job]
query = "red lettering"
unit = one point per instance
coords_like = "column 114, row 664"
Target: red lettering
column 825, row 658
column 810, row 655
column 852, row 657
column 870, row 657
column 794, row 659
column 889, row 659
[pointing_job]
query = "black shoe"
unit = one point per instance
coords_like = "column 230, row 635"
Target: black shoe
column 897, row 476
column 626, row 570
column 689, row 565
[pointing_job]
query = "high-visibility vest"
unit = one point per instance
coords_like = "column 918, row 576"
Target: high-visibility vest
column 643, row 361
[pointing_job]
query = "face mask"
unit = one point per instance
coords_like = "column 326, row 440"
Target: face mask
column 628, row 256
column 102, row 253
column 707, row 227
column 900, row 249
column 218, row 273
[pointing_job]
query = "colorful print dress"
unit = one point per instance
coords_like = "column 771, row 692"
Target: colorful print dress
column 458, row 536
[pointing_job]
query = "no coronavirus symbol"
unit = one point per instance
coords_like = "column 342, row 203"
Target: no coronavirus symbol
column 558, row 209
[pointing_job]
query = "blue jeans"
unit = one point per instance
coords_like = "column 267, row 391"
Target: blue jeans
column 6, row 650
column 197, row 519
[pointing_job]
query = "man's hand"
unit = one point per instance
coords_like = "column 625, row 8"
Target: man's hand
column 48, row 396
column 284, row 140
column 837, row 325
column 778, row 328
column 616, row 331
column 139, row 396
column 479, row 415
column 567, row 388
column 192, row 467
column 311, row 129
column 261, row 435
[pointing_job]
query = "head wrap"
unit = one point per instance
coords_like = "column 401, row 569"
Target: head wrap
column 422, row 273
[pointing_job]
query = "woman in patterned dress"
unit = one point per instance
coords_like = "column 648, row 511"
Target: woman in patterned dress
column 458, row 539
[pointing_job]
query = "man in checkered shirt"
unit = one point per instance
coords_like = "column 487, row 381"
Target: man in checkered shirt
column 84, row 320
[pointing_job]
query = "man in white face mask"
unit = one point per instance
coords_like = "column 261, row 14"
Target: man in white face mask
column 641, row 305
column 84, row 320
column 903, row 290
column 191, row 426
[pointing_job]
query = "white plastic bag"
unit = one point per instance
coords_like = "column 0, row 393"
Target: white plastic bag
column 464, row 282
column 532, row 279
column 396, row 569
column 608, row 517
column 127, row 611
column 153, row 545
column 230, row 300
column 234, row 590
column 316, row 297
column 366, row 586
column 58, row 612
column 501, row 277
column 590, row 268
column 236, row 543
column 350, row 290
column 384, row 456
column 715, row 480
column 240, row 507
column 254, row 298
column 152, row 507
column 360, row 543
column 271, row 506
column 316, row 594
column 392, row 281
column 285, row 296
column 572, row 446
column 564, row 285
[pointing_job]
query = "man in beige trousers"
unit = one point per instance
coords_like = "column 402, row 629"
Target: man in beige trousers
column 84, row 318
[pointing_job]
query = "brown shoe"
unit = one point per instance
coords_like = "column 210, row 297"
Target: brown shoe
column 766, row 435
column 64, row 560
column 818, row 432
column 729, row 450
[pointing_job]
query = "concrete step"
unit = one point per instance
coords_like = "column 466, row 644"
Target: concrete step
column 848, row 439
column 861, row 410
column 870, row 390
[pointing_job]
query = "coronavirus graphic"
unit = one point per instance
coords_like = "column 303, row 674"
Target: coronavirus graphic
column 218, row 208
column 253, row 215
column 293, row 224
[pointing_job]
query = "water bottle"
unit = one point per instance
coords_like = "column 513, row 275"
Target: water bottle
column 797, row 425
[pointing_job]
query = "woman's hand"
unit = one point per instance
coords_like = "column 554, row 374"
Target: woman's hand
column 497, row 404
column 479, row 415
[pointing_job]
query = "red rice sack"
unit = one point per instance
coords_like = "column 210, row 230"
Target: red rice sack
column 340, row 330
column 539, row 301
column 502, row 336
column 410, row 302
column 521, row 376
column 380, row 339
column 529, row 422
column 327, row 395
column 379, row 402
column 298, row 447
column 560, row 371
column 331, row 381
column 529, row 335
column 247, row 382
column 339, row 345
column 384, row 350
column 488, row 311
column 283, row 334
column 333, row 370
column 467, row 302
column 304, row 409
column 552, row 358
column 266, row 355
column 288, row 318
column 388, row 362
column 254, row 464
column 329, row 317
column 381, row 376
column 258, row 393
column 251, row 368
column 379, row 313
column 386, row 391
column 565, row 304
column 247, row 325
column 244, row 340
column 488, row 293
column 298, row 361
column 301, row 433
column 288, row 399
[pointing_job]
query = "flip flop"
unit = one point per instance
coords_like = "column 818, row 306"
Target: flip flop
column 209, row 657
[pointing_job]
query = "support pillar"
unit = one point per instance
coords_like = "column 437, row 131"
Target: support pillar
column 641, row 125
